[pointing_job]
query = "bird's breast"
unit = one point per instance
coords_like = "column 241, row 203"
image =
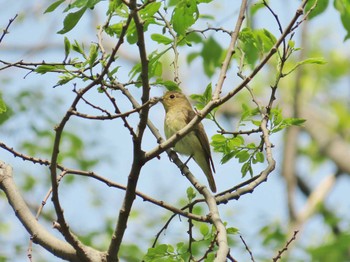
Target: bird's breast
column 189, row 144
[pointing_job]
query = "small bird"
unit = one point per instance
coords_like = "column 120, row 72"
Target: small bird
column 195, row 144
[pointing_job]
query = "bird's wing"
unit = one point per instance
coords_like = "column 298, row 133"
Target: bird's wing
column 203, row 139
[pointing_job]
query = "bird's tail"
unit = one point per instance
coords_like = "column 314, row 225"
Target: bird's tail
column 205, row 166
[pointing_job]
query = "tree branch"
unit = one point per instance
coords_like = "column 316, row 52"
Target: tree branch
column 38, row 233
column 138, row 154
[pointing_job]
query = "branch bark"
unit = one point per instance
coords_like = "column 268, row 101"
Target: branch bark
column 38, row 233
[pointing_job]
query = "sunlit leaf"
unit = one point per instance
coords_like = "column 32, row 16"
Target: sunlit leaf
column 318, row 9
column 185, row 15
column 161, row 39
column 53, row 6
column 71, row 20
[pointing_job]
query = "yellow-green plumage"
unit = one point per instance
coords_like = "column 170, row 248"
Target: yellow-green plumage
column 179, row 113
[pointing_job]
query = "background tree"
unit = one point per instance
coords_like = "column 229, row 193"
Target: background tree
column 78, row 107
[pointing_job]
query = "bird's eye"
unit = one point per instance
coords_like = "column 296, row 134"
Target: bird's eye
column 172, row 96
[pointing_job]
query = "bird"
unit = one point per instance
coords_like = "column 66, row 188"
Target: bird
column 178, row 113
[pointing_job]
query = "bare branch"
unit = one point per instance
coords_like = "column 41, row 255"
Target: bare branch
column 6, row 30
column 247, row 248
column 38, row 233
column 230, row 51
column 285, row 248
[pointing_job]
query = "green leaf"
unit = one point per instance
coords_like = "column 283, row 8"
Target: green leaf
column 155, row 67
column 194, row 37
column 246, row 167
column 161, row 39
column 249, row 46
column 114, row 71
column 207, row 93
column 256, row 7
column 169, row 85
column 211, row 54
column 317, row 61
column 43, row 69
column 264, row 40
column 71, row 20
column 67, row 47
column 191, row 194
column 114, row 29
column 228, row 157
column 113, row 5
column 235, row 142
column 3, row 108
column 135, row 70
column 242, row 156
column 291, row 43
column 82, row 3
column 259, row 157
column 77, row 48
column 256, row 122
column 343, row 7
column 218, row 139
column 319, row 8
column 93, row 54
column 53, row 6
column 295, row 121
column 204, row 229
column 148, row 12
column 185, row 14
column 232, row 230
column 64, row 79
column 192, row 56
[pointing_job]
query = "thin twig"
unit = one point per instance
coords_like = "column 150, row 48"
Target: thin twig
column 285, row 248
column 247, row 248
column 6, row 30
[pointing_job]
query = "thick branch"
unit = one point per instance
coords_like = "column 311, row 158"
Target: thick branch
column 138, row 154
column 38, row 233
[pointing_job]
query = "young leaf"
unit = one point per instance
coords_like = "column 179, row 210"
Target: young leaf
column 260, row 157
column 93, row 54
column 71, row 20
column 161, row 39
column 204, row 229
column 114, row 29
column 43, row 69
column 218, row 139
column 319, row 8
column 53, row 6
column 317, row 61
column 211, row 54
column 343, row 8
column 185, row 14
column 246, row 167
column 191, row 194
column 169, row 85
column 242, row 156
column 77, row 48
column 228, row 157
column 232, row 230
column 235, row 142
column 67, row 47
column 207, row 93
column 2, row 106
